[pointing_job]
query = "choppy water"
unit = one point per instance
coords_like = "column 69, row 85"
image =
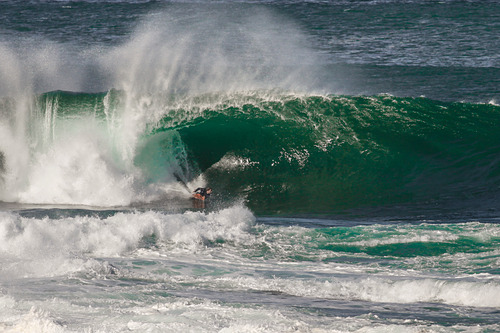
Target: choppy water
column 352, row 147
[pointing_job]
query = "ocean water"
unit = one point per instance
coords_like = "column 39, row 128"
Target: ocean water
column 352, row 146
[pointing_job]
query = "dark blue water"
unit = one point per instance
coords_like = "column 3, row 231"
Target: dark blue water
column 352, row 147
column 445, row 50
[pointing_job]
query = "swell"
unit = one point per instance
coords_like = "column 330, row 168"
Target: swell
column 321, row 154
column 286, row 153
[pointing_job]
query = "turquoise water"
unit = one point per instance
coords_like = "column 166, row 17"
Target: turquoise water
column 330, row 153
column 352, row 147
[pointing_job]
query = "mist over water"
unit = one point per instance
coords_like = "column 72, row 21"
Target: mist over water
column 212, row 50
column 168, row 57
column 352, row 147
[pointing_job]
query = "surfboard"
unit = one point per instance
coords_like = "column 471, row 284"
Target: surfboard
column 198, row 196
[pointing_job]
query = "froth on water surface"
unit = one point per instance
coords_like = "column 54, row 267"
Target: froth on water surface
column 89, row 148
column 156, row 270
column 332, row 211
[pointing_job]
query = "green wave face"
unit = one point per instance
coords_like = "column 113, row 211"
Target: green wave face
column 284, row 153
column 321, row 154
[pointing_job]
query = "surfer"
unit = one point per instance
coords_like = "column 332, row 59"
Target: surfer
column 202, row 193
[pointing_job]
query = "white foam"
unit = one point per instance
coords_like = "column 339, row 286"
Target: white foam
column 465, row 293
column 50, row 158
column 78, row 168
column 377, row 289
column 231, row 162
column 195, row 315
column 48, row 247
column 36, row 321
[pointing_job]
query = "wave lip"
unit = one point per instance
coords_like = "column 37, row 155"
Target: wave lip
column 341, row 152
column 202, row 96
column 328, row 153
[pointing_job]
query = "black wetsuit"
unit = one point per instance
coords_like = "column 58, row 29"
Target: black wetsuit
column 203, row 192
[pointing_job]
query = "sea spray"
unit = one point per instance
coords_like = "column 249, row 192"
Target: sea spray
column 357, row 212
column 147, row 246
column 27, row 127
column 211, row 51
column 93, row 153
column 362, row 151
column 46, row 247
column 170, row 61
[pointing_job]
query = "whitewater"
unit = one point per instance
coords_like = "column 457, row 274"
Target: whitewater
column 352, row 147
